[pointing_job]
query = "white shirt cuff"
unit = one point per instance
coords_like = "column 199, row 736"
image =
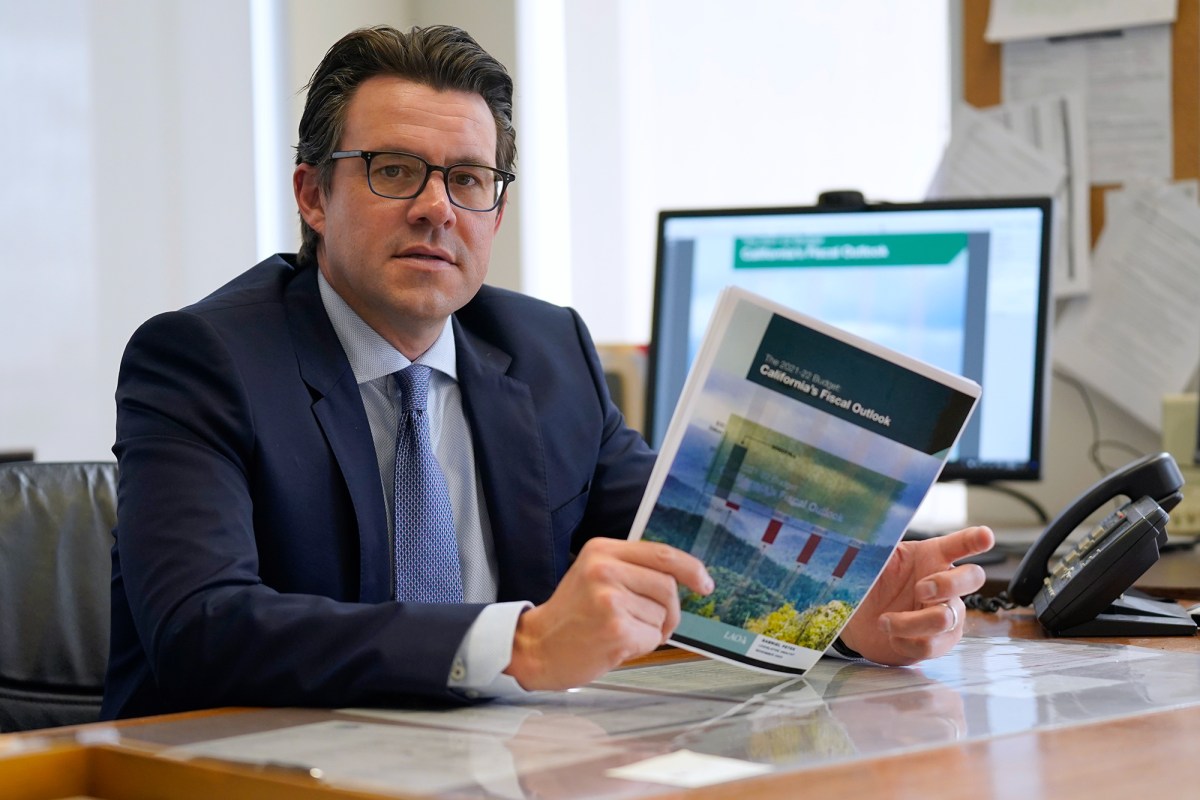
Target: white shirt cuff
column 841, row 650
column 486, row 651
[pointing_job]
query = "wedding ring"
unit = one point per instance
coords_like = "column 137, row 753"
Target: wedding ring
column 953, row 616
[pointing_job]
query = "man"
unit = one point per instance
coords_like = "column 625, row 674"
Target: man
column 267, row 548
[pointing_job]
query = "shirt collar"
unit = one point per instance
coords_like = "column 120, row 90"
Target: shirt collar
column 370, row 355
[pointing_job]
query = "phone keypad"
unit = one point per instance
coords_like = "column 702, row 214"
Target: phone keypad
column 1082, row 552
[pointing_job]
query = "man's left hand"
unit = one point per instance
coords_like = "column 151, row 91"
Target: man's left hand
column 915, row 610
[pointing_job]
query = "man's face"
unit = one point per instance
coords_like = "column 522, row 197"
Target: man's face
column 404, row 265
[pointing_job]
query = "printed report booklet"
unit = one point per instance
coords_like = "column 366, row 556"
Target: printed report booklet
column 794, row 461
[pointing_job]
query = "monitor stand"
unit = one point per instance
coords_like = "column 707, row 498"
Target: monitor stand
column 944, row 510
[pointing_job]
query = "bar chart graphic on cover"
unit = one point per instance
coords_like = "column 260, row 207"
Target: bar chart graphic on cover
column 795, row 459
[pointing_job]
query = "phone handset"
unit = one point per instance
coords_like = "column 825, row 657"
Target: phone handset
column 1154, row 476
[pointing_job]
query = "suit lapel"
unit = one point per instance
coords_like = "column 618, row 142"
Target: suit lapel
column 338, row 408
column 508, row 453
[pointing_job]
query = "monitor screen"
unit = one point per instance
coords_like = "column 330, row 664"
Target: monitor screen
column 961, row 284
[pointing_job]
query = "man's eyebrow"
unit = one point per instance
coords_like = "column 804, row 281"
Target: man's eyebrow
column 459, row 159
column 481, row 162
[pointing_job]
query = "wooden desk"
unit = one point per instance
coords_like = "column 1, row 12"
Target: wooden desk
column 1149, row 755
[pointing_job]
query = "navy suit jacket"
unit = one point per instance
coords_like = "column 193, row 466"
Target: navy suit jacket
column 252, row 560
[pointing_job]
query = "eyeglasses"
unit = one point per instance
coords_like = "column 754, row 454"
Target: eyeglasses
column 401, row 176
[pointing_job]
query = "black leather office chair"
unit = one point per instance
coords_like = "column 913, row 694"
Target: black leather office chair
column 56, row 522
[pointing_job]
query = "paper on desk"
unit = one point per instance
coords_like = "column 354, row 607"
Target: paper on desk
column 1021, row 19
column 707, row 678
column 1137, row 336
column 689, row 770
column 391, row 758
column 580, row 715
column 1055, row 125
column 1034, row 686
column 1125, row 81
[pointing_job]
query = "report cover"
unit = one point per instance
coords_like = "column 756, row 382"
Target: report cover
column 795, row 459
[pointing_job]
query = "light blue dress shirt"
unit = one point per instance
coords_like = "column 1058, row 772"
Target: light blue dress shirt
column 486, row 650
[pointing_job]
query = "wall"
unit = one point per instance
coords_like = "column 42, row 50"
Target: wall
column 128, row 190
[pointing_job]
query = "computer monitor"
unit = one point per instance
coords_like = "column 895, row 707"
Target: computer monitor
column 962, row 284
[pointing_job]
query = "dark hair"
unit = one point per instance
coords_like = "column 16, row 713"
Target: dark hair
column 441, row 56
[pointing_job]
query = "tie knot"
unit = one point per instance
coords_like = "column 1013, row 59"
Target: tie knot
column 413, row 383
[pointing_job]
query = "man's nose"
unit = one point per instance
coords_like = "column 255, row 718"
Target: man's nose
column 433, row 201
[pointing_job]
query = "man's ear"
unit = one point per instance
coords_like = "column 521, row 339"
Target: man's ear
column 306, row 184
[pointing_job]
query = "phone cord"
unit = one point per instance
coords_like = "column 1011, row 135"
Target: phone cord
column 991, row 605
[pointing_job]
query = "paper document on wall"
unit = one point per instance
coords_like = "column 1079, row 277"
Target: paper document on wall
column 796, row 458
column 1055, row 125
column 1125, row 81
column 1115, row 202
column 1137, row 336
column 1020, row 19
column 984, row 158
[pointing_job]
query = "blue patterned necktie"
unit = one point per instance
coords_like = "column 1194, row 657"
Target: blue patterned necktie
column 427, row 568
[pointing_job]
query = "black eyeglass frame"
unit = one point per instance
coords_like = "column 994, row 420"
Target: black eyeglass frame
column 366, row 155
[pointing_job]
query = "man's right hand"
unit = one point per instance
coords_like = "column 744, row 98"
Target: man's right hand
column 619, row 599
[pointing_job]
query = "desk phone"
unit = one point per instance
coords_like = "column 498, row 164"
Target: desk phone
column 1084, row 595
